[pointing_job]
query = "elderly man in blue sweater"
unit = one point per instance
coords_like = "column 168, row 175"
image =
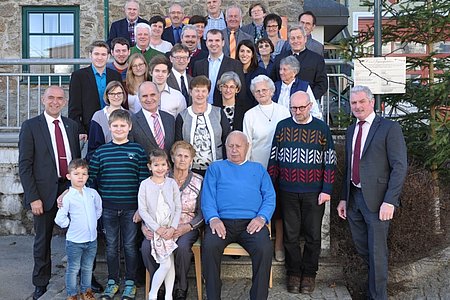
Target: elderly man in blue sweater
column 238, row 200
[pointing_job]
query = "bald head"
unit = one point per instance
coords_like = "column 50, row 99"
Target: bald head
column 237, row 146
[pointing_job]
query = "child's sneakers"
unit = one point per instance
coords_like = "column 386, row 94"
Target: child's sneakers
column 129, row 292
column 111, row 289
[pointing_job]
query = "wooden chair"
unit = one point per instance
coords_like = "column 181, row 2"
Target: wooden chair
column 198, row 270
column 231, row 249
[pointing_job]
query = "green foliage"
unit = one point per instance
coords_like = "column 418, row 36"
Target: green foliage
column 427, row 131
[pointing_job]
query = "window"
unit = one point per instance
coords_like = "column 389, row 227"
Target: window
column 50, row 32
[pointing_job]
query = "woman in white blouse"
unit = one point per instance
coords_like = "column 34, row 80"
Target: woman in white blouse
column 157, row 24
column 260, row 123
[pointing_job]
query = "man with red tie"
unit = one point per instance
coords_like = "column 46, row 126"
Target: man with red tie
column 375, row 169
column 47, row 143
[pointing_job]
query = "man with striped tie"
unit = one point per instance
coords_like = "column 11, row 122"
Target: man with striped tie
column 152, row 128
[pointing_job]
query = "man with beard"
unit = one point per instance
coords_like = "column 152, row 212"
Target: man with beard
column 120, row 51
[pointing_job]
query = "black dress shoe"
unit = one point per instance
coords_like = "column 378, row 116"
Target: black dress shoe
column 161, row 293
column 96, row 286
column 39, row 291
column 180, row 294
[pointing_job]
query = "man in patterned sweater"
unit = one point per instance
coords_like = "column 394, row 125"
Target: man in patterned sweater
column 302, row 167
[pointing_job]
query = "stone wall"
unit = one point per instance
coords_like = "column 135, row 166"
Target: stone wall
column 92, row 18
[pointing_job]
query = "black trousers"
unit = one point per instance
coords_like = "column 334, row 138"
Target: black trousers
column 301, row 213
column 43, row 228
column 258, row 245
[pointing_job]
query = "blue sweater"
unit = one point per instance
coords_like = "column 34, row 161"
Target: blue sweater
column 117, row 170
column 232, row 191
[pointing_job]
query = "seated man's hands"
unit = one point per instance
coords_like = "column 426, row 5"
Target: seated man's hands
column 255, row 225
column 182, row 229
column 217, row 227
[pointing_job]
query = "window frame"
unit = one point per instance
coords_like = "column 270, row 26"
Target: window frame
column 26, row 11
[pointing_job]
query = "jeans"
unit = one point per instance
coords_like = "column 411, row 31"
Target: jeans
column 79, row 256
column 115, row 222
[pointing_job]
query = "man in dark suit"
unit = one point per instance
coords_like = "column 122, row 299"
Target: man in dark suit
column 47, row 143
column 234, row 20
column 143, row 131
column 216, row 64
column 172, row 34
column 178, row 77
column 312, row 65
column 87, row 86
column 375, row 169
column 189, row 38
column 125, row 27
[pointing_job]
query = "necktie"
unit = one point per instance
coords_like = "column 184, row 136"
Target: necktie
column 184, row 89
column 62, row 159
column 176, row 35
column 131, row 33
column 159, row 136
column 356, row 155
column 232, row 44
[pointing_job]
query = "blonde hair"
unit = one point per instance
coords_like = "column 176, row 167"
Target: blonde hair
column 131, row 82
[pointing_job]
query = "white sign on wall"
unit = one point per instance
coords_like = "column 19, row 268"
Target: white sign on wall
column 383, row 75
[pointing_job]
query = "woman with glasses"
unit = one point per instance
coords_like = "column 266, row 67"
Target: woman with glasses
column 259, row 125
column 265, row 48
column 137, row 73
column 115, row 98
column 229, row 86
column 272, row 24
column 247, row 55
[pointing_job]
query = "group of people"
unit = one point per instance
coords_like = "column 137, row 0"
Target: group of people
column 184, row 133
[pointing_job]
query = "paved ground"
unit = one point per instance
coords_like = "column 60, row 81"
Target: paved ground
column 16, row 265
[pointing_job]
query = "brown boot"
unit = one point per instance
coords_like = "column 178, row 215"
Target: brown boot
column 293, row 284
column 89, row 295
column 308, row 284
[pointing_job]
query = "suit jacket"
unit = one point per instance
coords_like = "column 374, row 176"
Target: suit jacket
column 37, row 164
column 173, row 83
column 83, row 95
column 314, row 45
column 196, row 56
column 383, row 164
column 167, row 34
column 250, row 29
column 240, row 36
column 228, row 64
column 120, row 29
column 142, row 134
column 312, row 69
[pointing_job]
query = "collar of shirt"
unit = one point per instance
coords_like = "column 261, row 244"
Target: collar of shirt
column 287, row 86
column 146, row 49
column 148, row 114
column 370, row 118
column 134, row 23
column 307, row 122
column 73, row 190
column 49, row 119
column 166, row 89
column 221, row 16
column 298, row 53
column 219, row 59
column 240, row 163
column 178, row 74
column 96, row 72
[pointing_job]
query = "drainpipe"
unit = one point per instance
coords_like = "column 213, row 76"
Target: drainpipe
column 106, row 19
column 377, row 43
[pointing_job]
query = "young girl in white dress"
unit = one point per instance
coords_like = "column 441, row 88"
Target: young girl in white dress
column 160, row 209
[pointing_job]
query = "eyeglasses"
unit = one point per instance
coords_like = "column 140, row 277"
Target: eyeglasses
column 261, row 91
column 263, row 46
column 138, row 66
column 180, row 58
column 272, row 26
column 115, row 95
column 256, row 10
column 301, row 108
column 228, row 87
